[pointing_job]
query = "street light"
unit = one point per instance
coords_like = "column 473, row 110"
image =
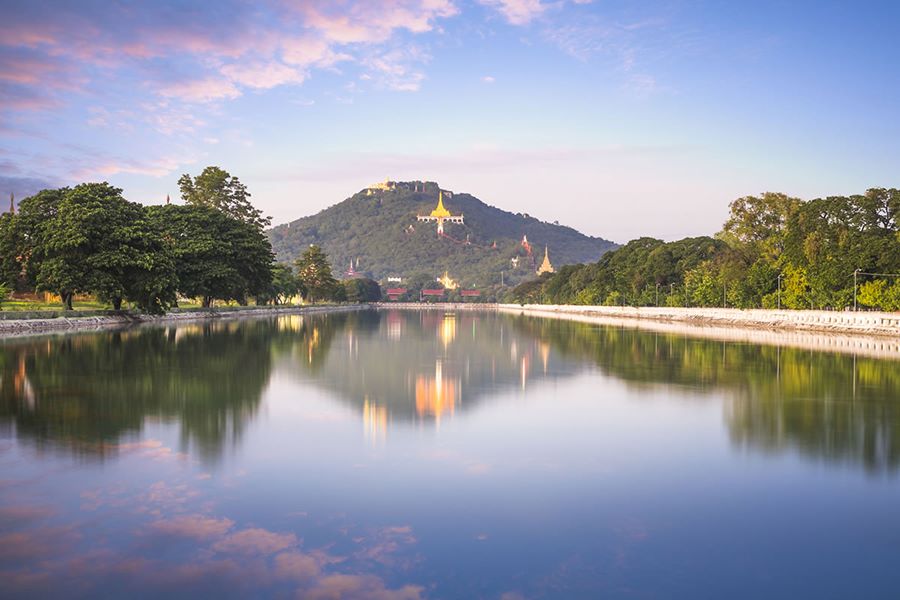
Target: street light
column 780, row 275
column 657, row 295
column 855, row 273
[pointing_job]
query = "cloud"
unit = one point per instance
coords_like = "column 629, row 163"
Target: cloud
column 488, row 79
column 21, row 187
column 396, row 69
column 256, row 542
column 206, row 89
column 517, row 12
column 261, row 75
column 196, row 527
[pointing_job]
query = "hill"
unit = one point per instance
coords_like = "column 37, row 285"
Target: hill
column 377, row 228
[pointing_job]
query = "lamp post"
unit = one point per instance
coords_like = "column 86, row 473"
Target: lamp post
column 657, row 295
column 780, row 275
column 855, row 273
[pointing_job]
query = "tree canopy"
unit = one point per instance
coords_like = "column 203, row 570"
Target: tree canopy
column 773, row 250
column 217, row 188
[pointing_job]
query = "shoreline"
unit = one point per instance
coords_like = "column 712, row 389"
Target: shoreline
column 22, row 327
column 725, row 328
column 871, row 334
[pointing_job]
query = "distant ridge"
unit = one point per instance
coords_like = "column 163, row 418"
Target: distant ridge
column 377, row 228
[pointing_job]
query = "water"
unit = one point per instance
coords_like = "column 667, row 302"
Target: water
column 471, row 455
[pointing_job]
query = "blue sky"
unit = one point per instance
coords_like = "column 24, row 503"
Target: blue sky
column 619, row 118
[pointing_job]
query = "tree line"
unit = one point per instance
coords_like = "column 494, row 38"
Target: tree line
column 88, row 239
column 774, row 250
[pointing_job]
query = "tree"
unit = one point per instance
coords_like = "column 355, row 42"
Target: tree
column 284, row 286
column 362, row 290
column 216, row 257
column 4, row 292
column 757, row 224
column 33, row 225
column 314, row 274
column 98, row 242
column 218, row 189
column 10, row 268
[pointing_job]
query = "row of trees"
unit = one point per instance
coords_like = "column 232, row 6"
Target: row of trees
column 89, row 239
column 316, row 282
column 774, row 250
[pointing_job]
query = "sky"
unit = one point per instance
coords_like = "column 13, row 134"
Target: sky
column 619, row 118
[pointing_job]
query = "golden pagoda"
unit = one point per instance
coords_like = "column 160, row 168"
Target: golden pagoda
column 447, row 282
column 546, row 267
column 440, row 214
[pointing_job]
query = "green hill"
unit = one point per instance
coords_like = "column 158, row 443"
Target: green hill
column 377, row 228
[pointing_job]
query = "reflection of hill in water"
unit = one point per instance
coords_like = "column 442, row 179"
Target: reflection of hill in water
column 418, row 365
column 833, row 407
column 82, row 393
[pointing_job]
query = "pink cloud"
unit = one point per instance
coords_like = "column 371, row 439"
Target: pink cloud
column 196, row 527
column 207, row 89
column 262, row 75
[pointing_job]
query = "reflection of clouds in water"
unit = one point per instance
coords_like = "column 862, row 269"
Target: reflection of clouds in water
column 192, row 526
column 199, row 551
column 384, row 545
column 255, row 542
column 10, row 515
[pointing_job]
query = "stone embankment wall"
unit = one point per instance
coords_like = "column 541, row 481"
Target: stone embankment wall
column 869, row 323
column 77, row 321
column 881, row 344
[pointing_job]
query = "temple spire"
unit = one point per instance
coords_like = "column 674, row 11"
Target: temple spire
column 12, row 203
column 546, row 267
column 167, row 199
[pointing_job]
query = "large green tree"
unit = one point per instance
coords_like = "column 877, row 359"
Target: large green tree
column 217, row 188
column 98, row 242
column 216, row 256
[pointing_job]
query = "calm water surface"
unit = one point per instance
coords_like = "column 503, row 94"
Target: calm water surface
column 438, row 455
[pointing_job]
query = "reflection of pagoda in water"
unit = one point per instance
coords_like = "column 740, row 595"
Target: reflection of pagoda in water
column 375, row 419
column 397, row 366
column 436, row 396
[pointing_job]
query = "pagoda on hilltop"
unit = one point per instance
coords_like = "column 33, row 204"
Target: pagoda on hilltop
column 440, row 215
column 546, row 267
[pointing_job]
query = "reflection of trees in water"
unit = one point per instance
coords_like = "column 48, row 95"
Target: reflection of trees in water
column 84, row 392
column 418, row 365
column 830, row 406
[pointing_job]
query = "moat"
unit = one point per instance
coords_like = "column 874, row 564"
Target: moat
column 441, row 454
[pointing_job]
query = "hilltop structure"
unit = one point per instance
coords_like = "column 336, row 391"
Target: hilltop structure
column 441, row 215
column 12, row 203
column 546, row 267
column 377, row 229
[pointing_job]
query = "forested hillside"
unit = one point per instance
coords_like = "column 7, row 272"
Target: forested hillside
column 380, row 231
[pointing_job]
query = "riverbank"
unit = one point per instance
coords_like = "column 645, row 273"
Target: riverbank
column 866, row 335
column 36, row 323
